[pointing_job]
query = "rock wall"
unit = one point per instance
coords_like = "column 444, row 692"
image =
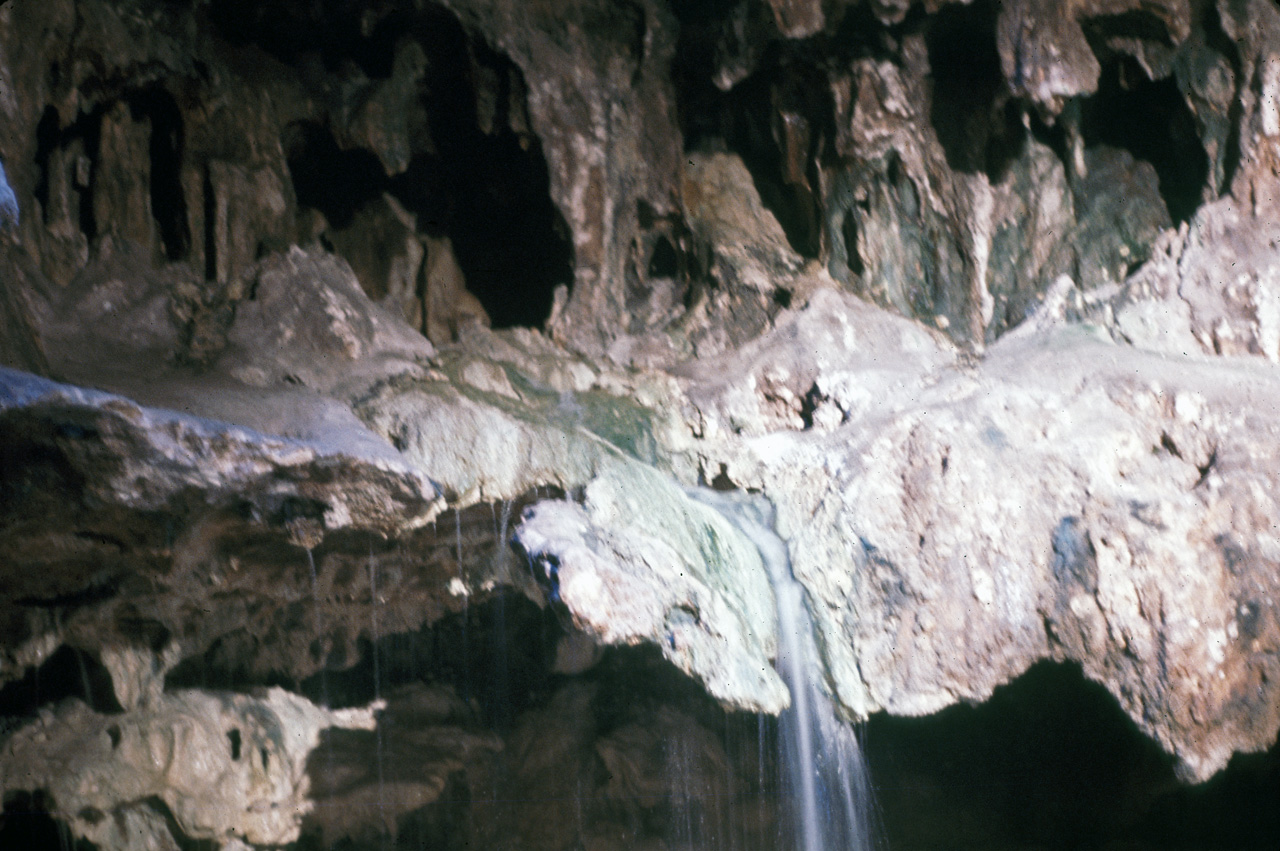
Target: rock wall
column 327, row 326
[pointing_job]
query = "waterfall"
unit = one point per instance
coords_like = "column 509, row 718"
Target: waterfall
column 827, row 786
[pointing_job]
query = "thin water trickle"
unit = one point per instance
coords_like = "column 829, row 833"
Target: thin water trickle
column 503, row 551
column 457, row 528
column 318, row 624
column 824, row 772
column 377, row 681
column 466, row 609
column 324, row 673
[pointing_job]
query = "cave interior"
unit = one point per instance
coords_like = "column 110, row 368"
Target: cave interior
column 1048, row 761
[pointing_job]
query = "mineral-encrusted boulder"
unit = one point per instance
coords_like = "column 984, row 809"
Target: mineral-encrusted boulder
column 639, row 561
column 1067, row 498
column 226, row 767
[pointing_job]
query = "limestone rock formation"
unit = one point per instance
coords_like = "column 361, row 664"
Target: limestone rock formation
column 359, row 351
column 640, row 561
column 226, row 767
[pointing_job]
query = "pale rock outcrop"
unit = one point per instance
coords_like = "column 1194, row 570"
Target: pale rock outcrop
column 1102, row 511
column 639, row 560
column 1066, row 498
column 227, row 767
column 1213, row 287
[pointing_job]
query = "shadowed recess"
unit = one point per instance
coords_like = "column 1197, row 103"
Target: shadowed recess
column 25, row 824
column 486, row 187
column 67, row 673
column 979, row 129
column 1051, row 761
column 1151, row 120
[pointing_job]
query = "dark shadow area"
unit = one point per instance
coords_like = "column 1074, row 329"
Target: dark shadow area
column 496, row 655
column 849, row 232
column 25, row 825
column 325, row 177
column 980, row 130
column 1151, row 120
column 168, row 206
column 83, row 136
column 1051, row 761
column 68, row 672
column 490, row 192
column 48, row 138
column 290, row 29
column 664, row 262
column 779, row 121
column 488, row 189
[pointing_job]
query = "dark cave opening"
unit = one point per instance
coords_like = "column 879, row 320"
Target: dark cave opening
column 80, row 137
column 979, row 128
column 67, row 673
column 496, row 655
column 778, row 119
column 210, row 197
column 664, row 262
column 483, row 183
column 849, row 233
column 489, row 191
column 81, row 141
column 1152, row 121
column 25, row 823
column 47, row 139
column 327, row 178
column 168, row 206
column 1051, row 761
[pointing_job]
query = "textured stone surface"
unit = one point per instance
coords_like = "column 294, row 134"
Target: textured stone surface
column 422, row 739
column 640, row 561
column 604, row 108
column 982, row 296
column 1067, row 498
column 1212, row 288
column 226, row 766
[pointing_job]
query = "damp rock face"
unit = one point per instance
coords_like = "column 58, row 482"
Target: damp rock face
column 226, row 767
column 640, row 561
column 983, row 514
column 374, row 344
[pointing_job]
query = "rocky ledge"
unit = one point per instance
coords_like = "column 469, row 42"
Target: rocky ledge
column 292, row 392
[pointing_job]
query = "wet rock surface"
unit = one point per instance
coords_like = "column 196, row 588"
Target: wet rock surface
column 357, row 353
column 222, row 766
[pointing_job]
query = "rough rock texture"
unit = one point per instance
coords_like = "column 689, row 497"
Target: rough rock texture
column 421, row 739
column 603, row 105
column 1213, row 288
column 225, row 766
column 1102, row 512
column 639, row 560
column 982, row 296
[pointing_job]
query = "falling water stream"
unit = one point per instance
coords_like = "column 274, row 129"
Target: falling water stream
column 828, row 788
